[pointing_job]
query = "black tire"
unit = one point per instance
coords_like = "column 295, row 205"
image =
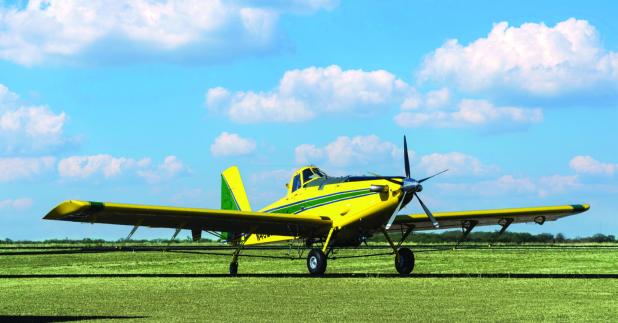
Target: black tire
column 233, row 268
column 404, row 261
column 316, row 262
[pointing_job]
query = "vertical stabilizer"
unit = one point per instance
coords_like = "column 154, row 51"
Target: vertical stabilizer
column 233, row 197
column 233, row 194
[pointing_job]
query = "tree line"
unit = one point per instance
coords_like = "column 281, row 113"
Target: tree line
column 452, row 236
column 507, row 237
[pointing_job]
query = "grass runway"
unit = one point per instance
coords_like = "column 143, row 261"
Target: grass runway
column 182, row 285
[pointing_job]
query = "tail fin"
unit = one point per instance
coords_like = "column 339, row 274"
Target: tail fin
column 233, row 196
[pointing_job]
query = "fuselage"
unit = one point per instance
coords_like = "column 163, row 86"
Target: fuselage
column 357, row 210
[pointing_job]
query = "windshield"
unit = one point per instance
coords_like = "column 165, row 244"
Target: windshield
column 318, row 172
column 308, row 175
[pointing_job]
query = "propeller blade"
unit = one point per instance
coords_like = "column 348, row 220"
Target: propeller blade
column 434, row 175
column 406, row 159
column 392, row 219
column 429, row 215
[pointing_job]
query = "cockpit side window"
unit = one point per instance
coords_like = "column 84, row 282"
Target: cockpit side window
column 296, row 183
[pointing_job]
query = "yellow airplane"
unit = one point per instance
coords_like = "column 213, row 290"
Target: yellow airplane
column 318, row 210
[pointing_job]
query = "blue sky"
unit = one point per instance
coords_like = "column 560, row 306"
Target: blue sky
column 151, row 101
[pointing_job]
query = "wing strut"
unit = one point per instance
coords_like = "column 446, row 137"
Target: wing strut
column 175, row 234
column 466, row 228
column 405, row 235
column 134, row 229
column 504, row 223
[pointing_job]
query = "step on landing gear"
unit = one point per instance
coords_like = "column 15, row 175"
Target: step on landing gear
column 316, row 262
column 404, row 261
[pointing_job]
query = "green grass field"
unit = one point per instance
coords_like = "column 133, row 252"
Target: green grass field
column 359, row 289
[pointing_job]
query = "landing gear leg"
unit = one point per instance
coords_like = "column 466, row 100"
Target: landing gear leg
column 316, row 259
column 234, row 262
column 239, row 245
column 404, row 257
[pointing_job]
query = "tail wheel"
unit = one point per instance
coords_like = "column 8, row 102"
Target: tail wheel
column 233, row 268
column 316, row 262
column 404, row 261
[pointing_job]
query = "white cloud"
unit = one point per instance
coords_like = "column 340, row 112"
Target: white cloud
column 457, row 164
column 344, row 151
column 589, row 165
column 511, row 185
column 110, row 30
column 438, row 98
column 276, row 176
column 231, row 144
column 429, row 101
column 504, row 185
column 33, row 121
column 557, row 184
column 471, row 113
column 217, row 97
column 303, row 94
column 170, row 168
column 16, row 204
column 250, row 107
column 106, row 165
column 109, row 167
column 28, row 128
column 307, row 154
column 6, row 96
column 15, row 168
column 533, row 58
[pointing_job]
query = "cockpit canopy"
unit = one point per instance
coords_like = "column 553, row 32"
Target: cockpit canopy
column 304, row 176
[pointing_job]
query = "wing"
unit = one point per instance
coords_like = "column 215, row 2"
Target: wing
column 489, row 217
column 191, row 218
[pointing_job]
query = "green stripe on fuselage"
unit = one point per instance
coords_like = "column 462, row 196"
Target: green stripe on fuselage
column 317, row 201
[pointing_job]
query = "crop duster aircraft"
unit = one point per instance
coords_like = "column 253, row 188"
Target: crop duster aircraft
column 322, row 211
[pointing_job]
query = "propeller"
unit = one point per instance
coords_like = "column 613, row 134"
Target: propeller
column 410, row 185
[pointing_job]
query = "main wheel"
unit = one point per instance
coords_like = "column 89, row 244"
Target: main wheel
column 316, row 262
column 233, row 268
column 404, row 261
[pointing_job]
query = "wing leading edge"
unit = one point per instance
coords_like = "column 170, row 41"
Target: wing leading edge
column 490, row 217
column 190, row 218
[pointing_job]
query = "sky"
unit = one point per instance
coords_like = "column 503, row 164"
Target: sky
column 148, row 101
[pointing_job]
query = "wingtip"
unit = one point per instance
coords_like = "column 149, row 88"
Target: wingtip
column 65, row 208
column 581, row 207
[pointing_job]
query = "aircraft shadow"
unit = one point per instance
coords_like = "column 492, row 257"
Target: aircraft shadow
column 62, row 318
column 325, row 276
